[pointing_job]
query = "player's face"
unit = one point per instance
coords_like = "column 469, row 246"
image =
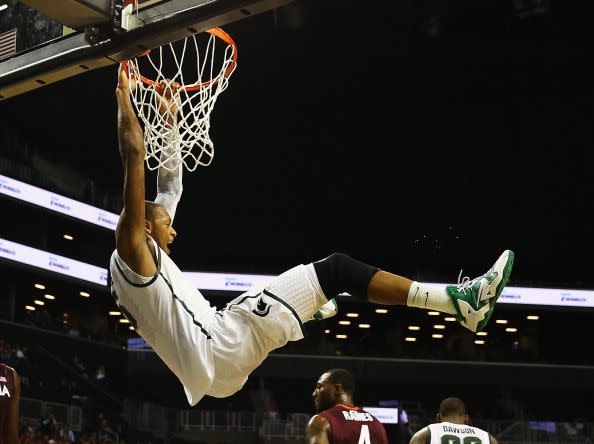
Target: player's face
column 161, row 229
column 324, row 395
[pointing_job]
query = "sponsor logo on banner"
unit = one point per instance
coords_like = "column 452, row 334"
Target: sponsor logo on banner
column 5, row 185
column 510, row 296
column 7, row 250
column 54, row 262
column 55, row 202
column 104, row 219
column 233, row 282
column 569, row 298
column 385, row 415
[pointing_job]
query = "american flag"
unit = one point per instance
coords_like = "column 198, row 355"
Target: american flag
column 8, row 43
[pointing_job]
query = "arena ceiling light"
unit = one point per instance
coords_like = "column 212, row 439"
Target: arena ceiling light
column 439, row 326
column 341, row 336
column 344, row 322
column 39, row 286
column 437, row 336
column 511, row 329
column 381, row 310
column 364, row 326
column 38, row 302
column 414, row 327
column 501, row 321
column 532, row 317
column 84, row 294
column 114, row 313
column 3, row 7
column 449, row 319
column 433, row 313
column 131, row 328
column 410, row 339
column 326, row 331
column 352, row 315
column 49, row 296
column 482, row 333
column 68, row 237
column 29, row 307
column 124, row 321
column 479, row 342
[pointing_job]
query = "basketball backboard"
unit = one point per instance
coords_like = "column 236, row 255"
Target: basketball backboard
column 57, row 40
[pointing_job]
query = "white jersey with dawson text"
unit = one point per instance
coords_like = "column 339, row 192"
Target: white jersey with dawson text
column 449, row 433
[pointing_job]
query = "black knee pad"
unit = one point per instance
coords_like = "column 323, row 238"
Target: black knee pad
column 340, row 273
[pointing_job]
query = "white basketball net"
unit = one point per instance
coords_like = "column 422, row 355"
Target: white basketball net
column 172, row 136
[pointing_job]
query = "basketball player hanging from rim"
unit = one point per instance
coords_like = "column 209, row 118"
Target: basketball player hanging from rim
column 213, row 352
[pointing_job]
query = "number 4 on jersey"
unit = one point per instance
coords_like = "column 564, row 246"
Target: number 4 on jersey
column 364, row 437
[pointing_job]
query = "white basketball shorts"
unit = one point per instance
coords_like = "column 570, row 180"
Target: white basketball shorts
column 259, row 321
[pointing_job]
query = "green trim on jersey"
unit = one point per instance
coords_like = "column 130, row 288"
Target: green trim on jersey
column 267, row 293
column 183, row 304
column 153, row 279
column 429, row 437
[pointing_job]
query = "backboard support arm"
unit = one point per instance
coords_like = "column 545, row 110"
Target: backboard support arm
column 103, row 44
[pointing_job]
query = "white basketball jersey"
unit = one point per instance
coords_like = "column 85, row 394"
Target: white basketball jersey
column 194, row 339
column 172, row 317
column 449, row 433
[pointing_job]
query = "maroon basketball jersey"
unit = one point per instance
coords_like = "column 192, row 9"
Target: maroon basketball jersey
column 353, row 425
column 7, row 396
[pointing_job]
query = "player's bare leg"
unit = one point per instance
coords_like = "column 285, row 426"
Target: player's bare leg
column 471, row 301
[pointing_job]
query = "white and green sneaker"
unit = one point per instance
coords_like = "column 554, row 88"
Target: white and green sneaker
column 475, row 299
column 326, row 311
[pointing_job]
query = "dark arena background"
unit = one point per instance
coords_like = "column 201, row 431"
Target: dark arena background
column 423, row 137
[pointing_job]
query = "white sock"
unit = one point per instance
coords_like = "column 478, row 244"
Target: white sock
column 430, row 297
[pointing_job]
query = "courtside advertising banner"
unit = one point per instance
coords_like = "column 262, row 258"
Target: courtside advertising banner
column 202, row 280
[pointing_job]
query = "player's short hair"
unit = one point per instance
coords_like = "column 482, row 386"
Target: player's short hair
column 452, row 407
column 344, row 378
column 150, row 209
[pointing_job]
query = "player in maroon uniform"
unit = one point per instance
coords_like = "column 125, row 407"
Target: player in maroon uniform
column 338, row 420
column 10, row 395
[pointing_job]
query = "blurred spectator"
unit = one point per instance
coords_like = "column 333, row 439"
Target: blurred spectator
column 49, row 425
column 73, row 331
column 6, row 354
column 100, row 375
column 43, row 319
column 66, row 433
column 98, row 327
column 19, row 352
column 25, row 428
column 80, row 367
column 63, row 393
column 76, row 394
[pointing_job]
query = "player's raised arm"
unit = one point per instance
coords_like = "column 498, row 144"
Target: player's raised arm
column 130, row 233
column 421, row 437
column 169, row 177
column 169, row 185
column 318, row 430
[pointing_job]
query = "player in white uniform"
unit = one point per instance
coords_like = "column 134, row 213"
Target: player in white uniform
column 452, row 427
column 213, row 352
